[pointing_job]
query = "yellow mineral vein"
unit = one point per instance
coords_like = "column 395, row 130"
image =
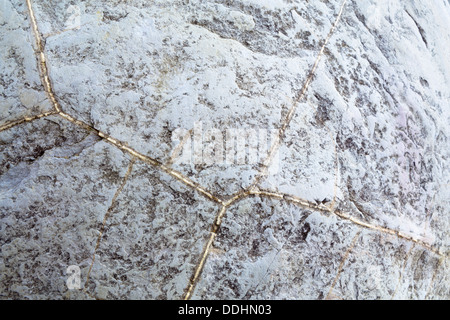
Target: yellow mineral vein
column 336, row 162
column 253, row 190
column 124, row 147
column 49, row 90
column 206, row 250
column 343, row 215
column 290, row 198
column 389, row 231
column 275, row 146
column 42, row 59
column 12, row 124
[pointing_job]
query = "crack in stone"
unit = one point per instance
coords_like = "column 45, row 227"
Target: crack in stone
column 225, row 203
column 291, row 112
column 207, row 248
column 42, row 59
column 124, row 147
column 267, row 161
column 12, row 124
column 421, row 31
column 345, row 216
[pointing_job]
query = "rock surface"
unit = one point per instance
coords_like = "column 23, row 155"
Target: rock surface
column 196, row 154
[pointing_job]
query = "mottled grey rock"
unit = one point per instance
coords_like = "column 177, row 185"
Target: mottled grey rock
column 21, row 91
column 155, row 234
column 126, row 183
column 268, row 249
column 52, row 203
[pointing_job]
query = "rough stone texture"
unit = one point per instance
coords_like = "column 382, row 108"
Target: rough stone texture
column 170, row 79
column 305, row 165
column 52, row 202
column 155, row 234
column 21, row 91
column 268, row 249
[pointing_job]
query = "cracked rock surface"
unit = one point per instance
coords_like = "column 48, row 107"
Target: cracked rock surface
column 224, row 149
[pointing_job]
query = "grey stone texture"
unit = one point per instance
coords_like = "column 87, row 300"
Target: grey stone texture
column 342, row 109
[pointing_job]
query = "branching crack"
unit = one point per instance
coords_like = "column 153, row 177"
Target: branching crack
column 265, row 166
column 225, row 203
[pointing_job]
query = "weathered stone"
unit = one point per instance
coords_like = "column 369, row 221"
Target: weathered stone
column 268, row 249
column 154, row 235
column 52, row 202
column 340, row 190
column 21, row 91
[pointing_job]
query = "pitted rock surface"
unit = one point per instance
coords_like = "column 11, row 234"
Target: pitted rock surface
column 224, row 149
